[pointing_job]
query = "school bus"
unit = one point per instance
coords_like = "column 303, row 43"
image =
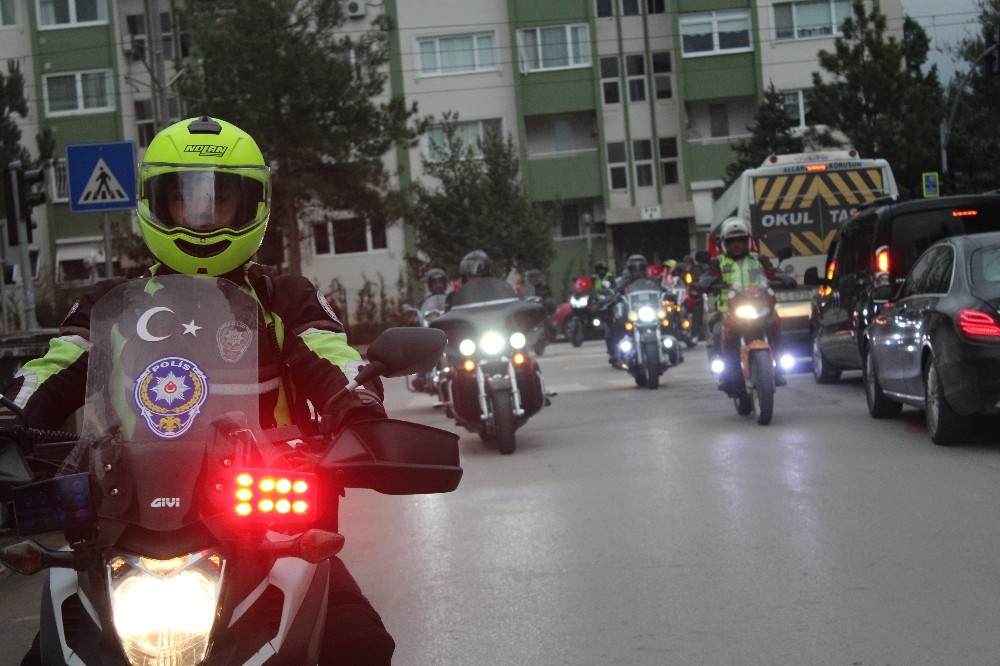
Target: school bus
column 800, row 200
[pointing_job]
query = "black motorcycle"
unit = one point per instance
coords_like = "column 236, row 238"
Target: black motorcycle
column 646, row 322
column 588, row 312
column 196, row 537
column 492, row 384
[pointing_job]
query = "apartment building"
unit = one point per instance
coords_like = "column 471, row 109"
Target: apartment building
column 624, row 111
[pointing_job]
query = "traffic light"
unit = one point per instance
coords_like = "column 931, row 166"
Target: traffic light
column 21, row 184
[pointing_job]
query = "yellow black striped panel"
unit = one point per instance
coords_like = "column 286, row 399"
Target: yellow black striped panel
column 800, row 191
column 803, row 242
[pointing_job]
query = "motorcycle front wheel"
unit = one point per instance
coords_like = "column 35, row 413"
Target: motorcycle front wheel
column 762, row 376
column 574, row 331
column 651, row 364
column 503, row 421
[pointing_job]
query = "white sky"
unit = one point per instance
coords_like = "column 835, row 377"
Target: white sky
column 946, row 22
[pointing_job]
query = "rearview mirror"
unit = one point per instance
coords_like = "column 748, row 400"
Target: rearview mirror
column 406, row 350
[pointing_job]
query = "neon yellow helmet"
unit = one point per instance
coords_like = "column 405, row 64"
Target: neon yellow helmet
column 204, row 196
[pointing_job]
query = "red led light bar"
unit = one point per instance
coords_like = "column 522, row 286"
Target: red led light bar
column 964, row 213
column 274, row 495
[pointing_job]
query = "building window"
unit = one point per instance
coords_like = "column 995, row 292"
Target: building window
column 642, row 154
column 136, row 26
column 656, row 6
column 718, row 119
column 661, row 74
column 59, row 180
column 145, row 123
column 456, row 54
column 8, row 13
column 630, row 7
column 555, row 47
column 78, row 92
column 609, row 80
column 810, row 18
column 797, row 106
column 710, row 33
column 469, row 133
column 62, row 13
column 348, row 236
column 618, row 165
column 668, row 160
column 605, row 8
column 635, row 72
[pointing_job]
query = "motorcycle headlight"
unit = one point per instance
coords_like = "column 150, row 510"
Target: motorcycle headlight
column 625, row 345
column 491, row 343
column 596, row 322
column 581, row 302
column 747, row 312
column 646, row 314
column 163, row 610
column 467, row 347
column 517, row 340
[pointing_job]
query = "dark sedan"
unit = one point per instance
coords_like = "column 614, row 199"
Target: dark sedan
column 936, row 344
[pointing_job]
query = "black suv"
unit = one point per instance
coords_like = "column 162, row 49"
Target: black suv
column 877, row 246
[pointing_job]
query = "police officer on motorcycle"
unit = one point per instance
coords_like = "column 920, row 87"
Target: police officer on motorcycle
column 735, row 266
column 206, row 214
column 602, row 275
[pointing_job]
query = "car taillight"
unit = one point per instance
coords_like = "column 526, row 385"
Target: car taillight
column 979, row 325
column 831, row 269
column 965, row 213
column 274, row 496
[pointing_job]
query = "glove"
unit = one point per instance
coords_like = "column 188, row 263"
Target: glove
column 360, row 405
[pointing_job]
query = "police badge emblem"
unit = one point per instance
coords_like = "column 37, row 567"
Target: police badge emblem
column 234, row 339
column 169, row 394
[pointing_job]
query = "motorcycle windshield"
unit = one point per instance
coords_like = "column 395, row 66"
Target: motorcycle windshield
column 644, row 292
column 487, row 304
column 173, row 372
column 434, row 304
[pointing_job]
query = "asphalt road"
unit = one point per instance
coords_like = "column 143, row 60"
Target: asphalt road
column 659, row 527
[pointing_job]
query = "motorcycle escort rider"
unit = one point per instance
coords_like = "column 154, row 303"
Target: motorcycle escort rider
column 437, row 284
column 636, row 267
column 205, row 213
column 602, row 276
column 735, row 267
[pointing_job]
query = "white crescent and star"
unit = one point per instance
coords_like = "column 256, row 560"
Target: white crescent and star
column 142, row 326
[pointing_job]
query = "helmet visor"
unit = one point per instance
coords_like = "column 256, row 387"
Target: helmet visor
column 205, row 200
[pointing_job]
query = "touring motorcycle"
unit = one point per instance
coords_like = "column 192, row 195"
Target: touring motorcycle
column 492, row 384
column 646, row 321
column 194, row 535
column 430, row 308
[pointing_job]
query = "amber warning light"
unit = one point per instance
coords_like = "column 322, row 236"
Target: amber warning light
column 815, row 167
column 269, row 495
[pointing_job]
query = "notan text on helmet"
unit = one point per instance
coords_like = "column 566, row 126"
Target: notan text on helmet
column 206, row 150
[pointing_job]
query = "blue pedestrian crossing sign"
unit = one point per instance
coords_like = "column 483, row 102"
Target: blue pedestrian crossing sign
column 931, row 184
column 101, row 176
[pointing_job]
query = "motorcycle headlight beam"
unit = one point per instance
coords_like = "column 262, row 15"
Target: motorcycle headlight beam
column 646, row 314
column 491, row 343
column 467, row 347
column 625, row 345
column 163, row 610
column 517, row 340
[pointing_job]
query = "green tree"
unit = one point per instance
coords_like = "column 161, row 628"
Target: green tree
column 480, row 203
column 877, row 96
column 772, row 132
column 312, row 95
column 974, row 145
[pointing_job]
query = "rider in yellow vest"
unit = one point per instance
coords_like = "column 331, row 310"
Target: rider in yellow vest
column 738, row 268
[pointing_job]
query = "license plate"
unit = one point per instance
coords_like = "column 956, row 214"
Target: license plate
column 794, row 295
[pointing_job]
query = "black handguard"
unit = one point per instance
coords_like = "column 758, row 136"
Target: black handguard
column 361, row 404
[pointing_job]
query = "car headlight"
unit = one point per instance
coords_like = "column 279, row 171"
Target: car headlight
column 491, row 343
column 747, row 312
column 163, row 610
column 580, row 302
column 467, row 347
column 517, row 340
column 646, row 314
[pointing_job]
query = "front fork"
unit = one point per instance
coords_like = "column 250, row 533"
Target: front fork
column 497, row 383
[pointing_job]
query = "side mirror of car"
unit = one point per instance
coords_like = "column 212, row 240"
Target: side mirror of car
column 785, row 252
